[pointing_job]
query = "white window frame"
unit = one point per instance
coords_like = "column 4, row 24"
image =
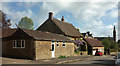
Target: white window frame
column 21, row 43
column 15, row 44
column 57, row 44
column 63, row 43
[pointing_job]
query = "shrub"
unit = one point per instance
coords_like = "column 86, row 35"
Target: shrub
column 112, row 50
column 77, row 52
column 62, row 56
column 119, row 50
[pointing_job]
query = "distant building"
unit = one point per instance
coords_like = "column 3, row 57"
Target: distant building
column 114, row 34
column 93, row 44
column 111, row 38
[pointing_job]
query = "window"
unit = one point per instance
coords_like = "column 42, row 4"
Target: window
column 57, row 44
column 53, row 47
column 14, row 43
column 22, row 43
column 63, row 44
column 18, row 43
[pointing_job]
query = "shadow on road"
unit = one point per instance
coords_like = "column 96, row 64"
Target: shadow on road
column 104, row 62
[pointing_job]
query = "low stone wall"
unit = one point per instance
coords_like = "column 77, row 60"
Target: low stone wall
column 114, row 53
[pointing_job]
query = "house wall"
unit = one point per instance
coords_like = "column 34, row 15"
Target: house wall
column 9, row 51
column 53, row 28
column 99, row 49
column 43, row 49
column 68, row 50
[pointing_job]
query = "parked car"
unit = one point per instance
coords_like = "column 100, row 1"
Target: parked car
column 98, row 53
column 117, row 58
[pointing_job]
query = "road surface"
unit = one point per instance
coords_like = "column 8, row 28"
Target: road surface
column 97, row 61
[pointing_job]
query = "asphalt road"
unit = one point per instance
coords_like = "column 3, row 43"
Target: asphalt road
column 87, row 61
column 97, row 61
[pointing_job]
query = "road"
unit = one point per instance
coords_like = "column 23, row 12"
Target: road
column 85, row 60
column 96, row 61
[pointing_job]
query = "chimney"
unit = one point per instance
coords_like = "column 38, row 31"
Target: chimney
column 51, row 15
column 62, row 19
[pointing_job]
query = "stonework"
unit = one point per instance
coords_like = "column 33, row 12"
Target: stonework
column 43, row 49
column 68, row 50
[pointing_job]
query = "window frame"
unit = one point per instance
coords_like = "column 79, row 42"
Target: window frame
column 57, row 44
column 64, row 44
column 53, row 43
column 23, row 44
column 14, row 45
column 18, row 43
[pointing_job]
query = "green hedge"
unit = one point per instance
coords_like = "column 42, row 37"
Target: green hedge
column 62, row 56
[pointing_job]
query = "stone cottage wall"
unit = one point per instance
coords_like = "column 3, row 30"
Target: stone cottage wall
column 68, row 50
column 43, row 49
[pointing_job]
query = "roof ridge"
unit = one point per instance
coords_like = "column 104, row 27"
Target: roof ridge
column 62, row 21
column 43, row 32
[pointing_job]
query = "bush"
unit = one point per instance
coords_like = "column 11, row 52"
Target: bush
column 112, row 50
column 62, row 56
column 119, row 50
column 77, row 52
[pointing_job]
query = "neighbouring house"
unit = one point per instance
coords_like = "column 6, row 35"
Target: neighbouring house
column 56, row 26
column 32, row 44
column 93, row 45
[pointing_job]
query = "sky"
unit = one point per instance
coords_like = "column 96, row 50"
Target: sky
column 94, row 16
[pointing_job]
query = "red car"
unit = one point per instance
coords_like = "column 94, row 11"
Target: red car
column 98, row 53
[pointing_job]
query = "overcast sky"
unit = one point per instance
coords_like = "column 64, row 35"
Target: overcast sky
column 96, row 17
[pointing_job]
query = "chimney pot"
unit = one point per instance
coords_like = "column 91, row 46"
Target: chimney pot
column 51, row 15
column 62, row 19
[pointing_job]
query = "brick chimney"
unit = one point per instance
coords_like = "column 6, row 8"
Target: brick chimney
column 62, row 19
column 51, row 15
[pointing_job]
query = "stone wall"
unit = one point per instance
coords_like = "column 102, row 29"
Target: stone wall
column 68, row 50
column 43, row 49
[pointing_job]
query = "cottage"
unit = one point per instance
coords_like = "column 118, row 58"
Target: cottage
column 60, row 27
column 93, row 45
column 56, row 26
column 32, row 44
